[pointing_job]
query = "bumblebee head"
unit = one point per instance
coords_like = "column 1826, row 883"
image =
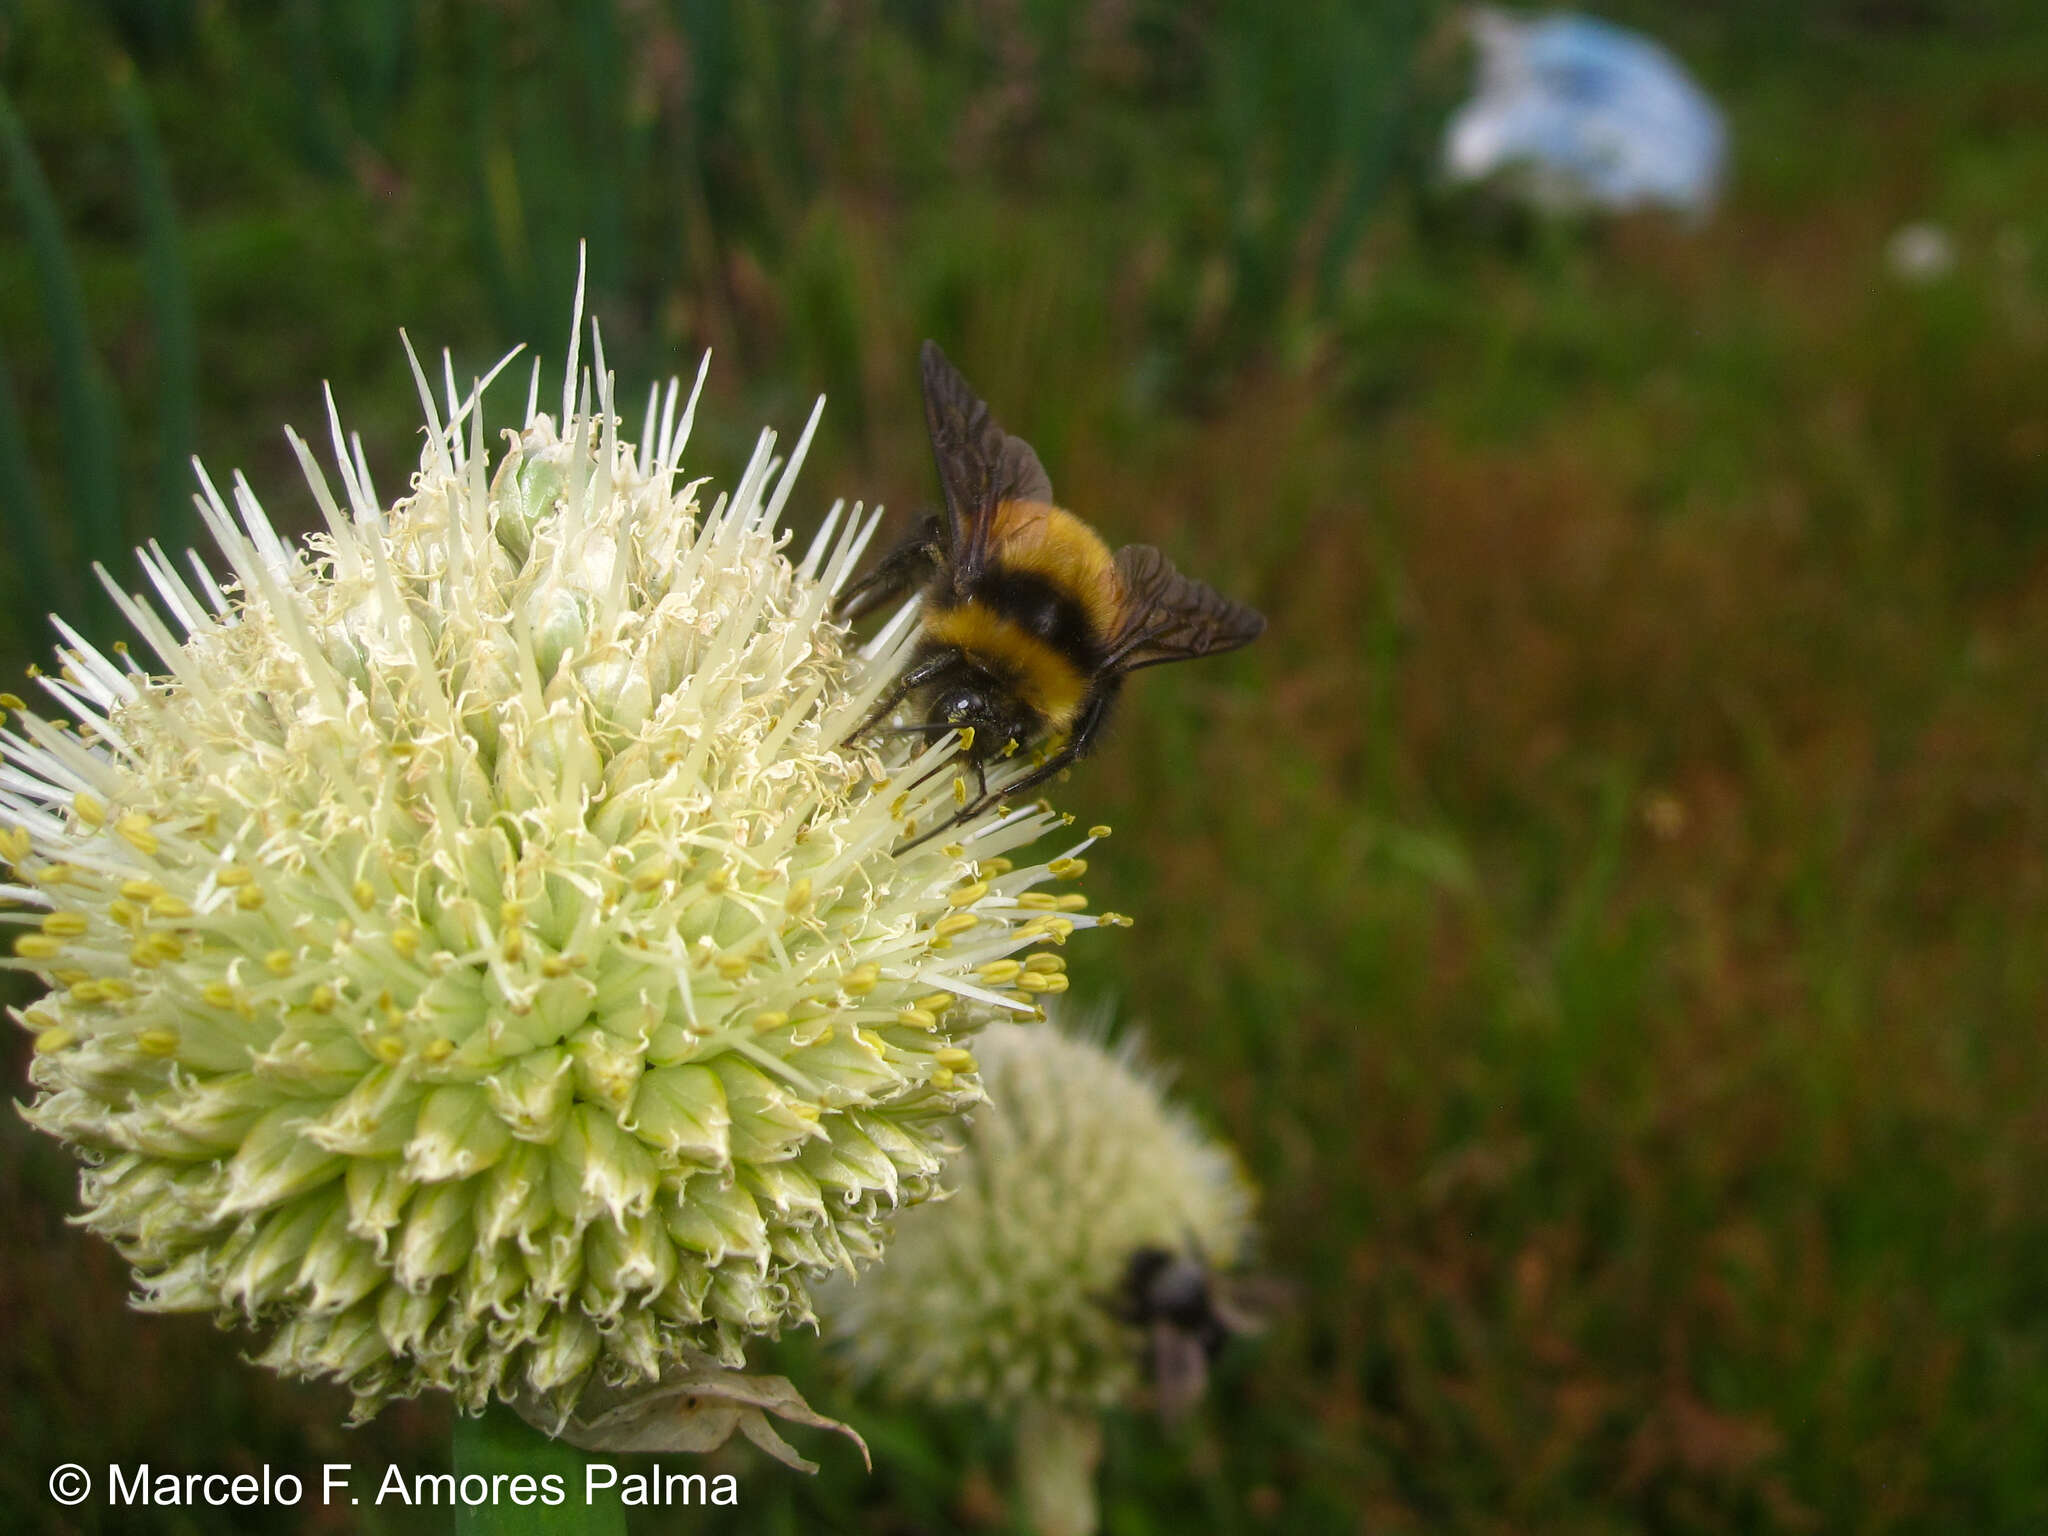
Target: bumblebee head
column 971, row 699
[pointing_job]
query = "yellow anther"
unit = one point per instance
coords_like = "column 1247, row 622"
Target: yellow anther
column 56, row 1039
column 966, row 738
column 322, row 999
column 440, row 1048
column 896, row 806
column 229, row 876
column 37, row 946
column 135, row 832
column 799, row 897
column 364, row 893
column 935, row 1004
column 1044, row 964
column 996, row 972
column 553, row 966
column 15, row 844
column 88, row 810
column 1038, row 901
column 249, row 898
column 511, row 913
column 918, row 1018
column 143, row 956
column 1100, row 829
column 57, row 874
column 871, row 1040
column 988, row 869
column 115, row 990
column 388, row 1049
column 953, row 1056
column 171, row 907
column 513, row 947
column 959, row 790
column 967, row 895
column 1114, row 920
column 278, row 962
column 86, row 993
column 218, row 994
column 825, row 1036
column 650, row 875
column 953, row 850
column 861, row 979
column 718, row 881
column 157, row 1042
column 954, row 923
column 768, row 1019
column 140, row 890
column 126, row 913
column 406, row 941
column 66, row 925
column 1073, row 901
column 734, row 964
column 1067, row 869
column 69, row 976
column 12, row 701
column 942, row 1077
column 1041, row 981
column 344, row 933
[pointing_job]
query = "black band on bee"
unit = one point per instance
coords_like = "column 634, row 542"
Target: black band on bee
column 1040, row 608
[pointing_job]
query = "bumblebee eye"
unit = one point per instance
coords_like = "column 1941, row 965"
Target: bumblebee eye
column 958, row 706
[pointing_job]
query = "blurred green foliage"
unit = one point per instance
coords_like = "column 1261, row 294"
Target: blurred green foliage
column 1607, row 908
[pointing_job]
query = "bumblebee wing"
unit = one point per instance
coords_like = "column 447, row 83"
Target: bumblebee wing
column 980, row 465
column 1165, row 616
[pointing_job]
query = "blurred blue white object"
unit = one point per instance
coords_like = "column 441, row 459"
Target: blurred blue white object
column 1575, row 113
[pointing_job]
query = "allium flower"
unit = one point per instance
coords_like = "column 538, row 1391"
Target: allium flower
column 474, row 954
column 1011, row 1292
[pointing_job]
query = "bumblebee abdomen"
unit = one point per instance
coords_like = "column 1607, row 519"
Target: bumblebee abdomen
column 1031, row 539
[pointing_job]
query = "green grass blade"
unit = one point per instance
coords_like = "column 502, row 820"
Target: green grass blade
column 91, row 435
column 170, row 302
column 33, row 575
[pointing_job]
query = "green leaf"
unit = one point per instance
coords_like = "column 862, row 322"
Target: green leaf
column 500, row 1443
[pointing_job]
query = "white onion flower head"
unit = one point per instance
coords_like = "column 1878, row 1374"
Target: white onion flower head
column 472, row 953
column 1006, row 1293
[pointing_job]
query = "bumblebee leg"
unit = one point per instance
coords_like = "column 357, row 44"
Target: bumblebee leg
column 904, row 566
column 914, row 676
column 986, row 798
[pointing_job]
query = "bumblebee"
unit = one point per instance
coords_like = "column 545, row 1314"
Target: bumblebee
column 1188, row 1315
column 1030, row 623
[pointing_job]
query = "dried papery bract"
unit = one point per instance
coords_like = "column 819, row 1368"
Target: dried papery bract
column 471, row 953
column 1010, row 1293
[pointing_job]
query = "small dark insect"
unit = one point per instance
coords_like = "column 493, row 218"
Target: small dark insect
column 1188, row 1314
column 1030, row 624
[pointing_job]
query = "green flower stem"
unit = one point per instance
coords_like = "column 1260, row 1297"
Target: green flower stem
column 1058, row 1451
column 500, row 1443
